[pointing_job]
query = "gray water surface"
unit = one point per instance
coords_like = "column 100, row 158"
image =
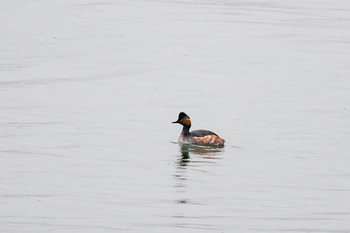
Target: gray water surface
column 88, row 90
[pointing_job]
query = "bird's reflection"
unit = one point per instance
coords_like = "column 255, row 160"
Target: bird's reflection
column 185, row 156
column 205, row 152
column 192, row 158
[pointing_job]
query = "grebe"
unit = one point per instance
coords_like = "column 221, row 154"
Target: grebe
column 197, row 137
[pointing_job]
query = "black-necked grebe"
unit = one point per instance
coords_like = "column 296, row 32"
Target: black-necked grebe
column 197, row 137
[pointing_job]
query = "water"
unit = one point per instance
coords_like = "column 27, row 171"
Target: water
column 88, row 90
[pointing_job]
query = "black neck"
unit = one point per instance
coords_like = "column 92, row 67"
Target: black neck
column 186, row 130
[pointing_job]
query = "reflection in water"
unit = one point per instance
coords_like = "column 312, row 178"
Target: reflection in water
column 200, row 150
column 206, row 153
column 185, row 156
column 192, row 156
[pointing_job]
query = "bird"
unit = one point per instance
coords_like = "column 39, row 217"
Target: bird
column 197, row 137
